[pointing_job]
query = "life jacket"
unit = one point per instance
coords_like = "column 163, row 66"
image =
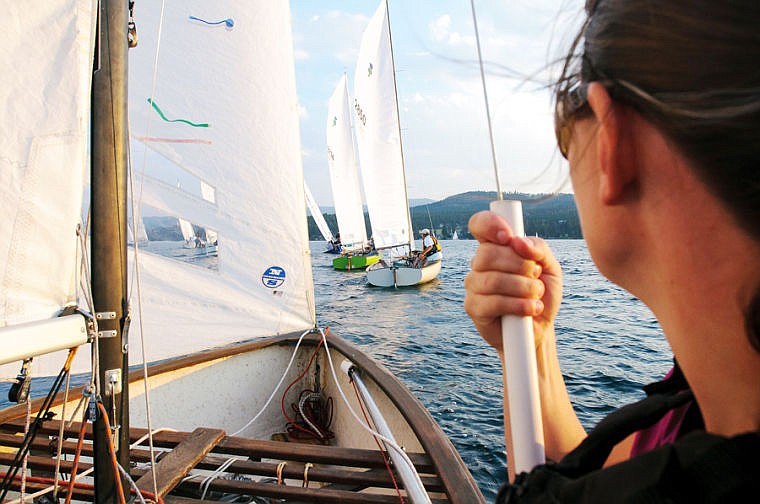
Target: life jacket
column 696, row 468
column 436, row 246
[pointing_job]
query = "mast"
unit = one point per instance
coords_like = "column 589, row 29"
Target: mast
column 398, row 122
column 109, row 239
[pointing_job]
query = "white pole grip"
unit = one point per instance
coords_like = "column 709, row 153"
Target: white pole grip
column 520, row 368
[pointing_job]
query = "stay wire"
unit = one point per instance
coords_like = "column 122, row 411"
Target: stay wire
column 137, row 202
column 485, row 97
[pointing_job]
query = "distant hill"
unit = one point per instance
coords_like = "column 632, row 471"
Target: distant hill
column 420, row 201
column 548, row 216
column 412, row 203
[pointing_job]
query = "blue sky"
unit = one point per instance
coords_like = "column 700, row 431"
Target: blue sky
column 442, row 110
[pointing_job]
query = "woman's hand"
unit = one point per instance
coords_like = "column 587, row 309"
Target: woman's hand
column 510, row 276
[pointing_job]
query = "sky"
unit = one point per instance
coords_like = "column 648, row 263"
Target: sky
column 444, row 126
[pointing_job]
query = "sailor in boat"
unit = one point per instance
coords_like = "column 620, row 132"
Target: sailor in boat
column 369, row 248
column 664, row 164
column 431, row 249
column 334, row 246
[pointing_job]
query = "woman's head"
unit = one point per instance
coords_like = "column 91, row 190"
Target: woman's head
column 690, row 68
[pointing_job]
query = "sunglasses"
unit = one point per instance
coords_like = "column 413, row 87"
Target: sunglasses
column 575, row 102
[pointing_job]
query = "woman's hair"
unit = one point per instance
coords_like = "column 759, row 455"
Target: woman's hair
column 691, row 68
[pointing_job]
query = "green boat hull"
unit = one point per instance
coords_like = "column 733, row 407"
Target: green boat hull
column 354, row 262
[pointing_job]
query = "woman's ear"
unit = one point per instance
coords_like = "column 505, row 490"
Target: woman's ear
column 615, row 153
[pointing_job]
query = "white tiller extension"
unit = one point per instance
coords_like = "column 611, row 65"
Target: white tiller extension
column 412, row 483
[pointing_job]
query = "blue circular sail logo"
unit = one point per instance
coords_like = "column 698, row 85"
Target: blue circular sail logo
column 273, row 277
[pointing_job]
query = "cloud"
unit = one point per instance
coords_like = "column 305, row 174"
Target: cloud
column 440, row 31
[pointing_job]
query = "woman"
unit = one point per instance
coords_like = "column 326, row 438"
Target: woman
column 658, row 114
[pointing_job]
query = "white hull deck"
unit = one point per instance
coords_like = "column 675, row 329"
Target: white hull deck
column 382, row 274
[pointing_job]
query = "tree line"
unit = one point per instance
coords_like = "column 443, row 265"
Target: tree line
column 548, row 216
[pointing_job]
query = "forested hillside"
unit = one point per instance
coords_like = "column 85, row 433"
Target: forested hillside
column 548, row 216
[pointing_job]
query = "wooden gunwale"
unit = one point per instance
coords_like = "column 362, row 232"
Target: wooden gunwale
column 457, row 481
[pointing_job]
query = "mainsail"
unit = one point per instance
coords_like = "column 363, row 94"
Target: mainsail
column 378, row 136
column 344, row 175
column 43, row 155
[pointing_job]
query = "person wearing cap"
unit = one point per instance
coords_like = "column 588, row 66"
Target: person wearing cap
column 431, row 249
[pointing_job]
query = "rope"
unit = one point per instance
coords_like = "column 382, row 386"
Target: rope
column 41, row 415
column 132, row 484
column 111, row 450
column 306, row 474
column 206, row 483
column 37, row 479
column 77, row 454
column 280, row 467
column 26, row 455
column 282, row 379
column 59, row 448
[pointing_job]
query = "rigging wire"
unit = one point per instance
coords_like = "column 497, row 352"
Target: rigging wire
column 136, row 278
column 485, row 97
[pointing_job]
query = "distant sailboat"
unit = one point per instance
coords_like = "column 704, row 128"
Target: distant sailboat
column 381, row 159
column 332, row 245
column 344, row 178
column 455, row 236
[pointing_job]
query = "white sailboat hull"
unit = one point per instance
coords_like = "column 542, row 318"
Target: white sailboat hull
column 382, row 274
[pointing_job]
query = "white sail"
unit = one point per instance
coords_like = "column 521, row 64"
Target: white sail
column 316, row 213
column 219, row 142
column 42, row 153
column 378, row 136
column 344, row 175
column 187, row 229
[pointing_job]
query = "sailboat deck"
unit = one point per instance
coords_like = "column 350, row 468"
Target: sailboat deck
column 276, row 469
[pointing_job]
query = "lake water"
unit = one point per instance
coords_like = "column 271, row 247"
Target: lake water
column 609, row 344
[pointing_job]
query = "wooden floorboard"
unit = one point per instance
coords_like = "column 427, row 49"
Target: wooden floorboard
column 181, row 460
column 335, row 474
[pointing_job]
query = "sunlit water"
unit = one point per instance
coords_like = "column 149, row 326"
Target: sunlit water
column 609, row 345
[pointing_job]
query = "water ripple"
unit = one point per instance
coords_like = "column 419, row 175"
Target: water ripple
column 609, row 345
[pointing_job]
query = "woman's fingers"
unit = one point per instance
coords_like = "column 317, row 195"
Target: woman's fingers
column 498, row 258
column 486, row 226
